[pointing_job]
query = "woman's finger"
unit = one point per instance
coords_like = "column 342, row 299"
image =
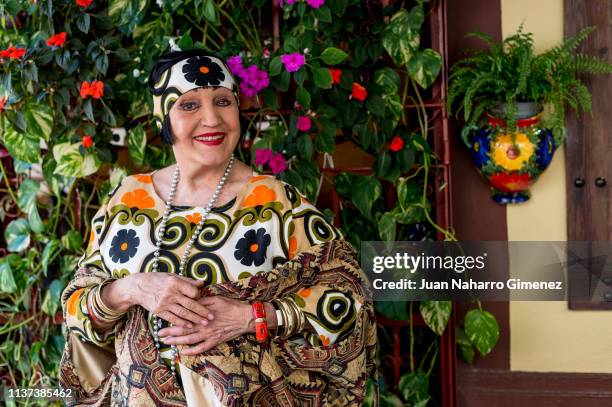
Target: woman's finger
column 190, row 339
column 176, row 331
column 186, row 288
column 174, row 320
column 186, row 314
column 204, row 346
column 197, row 283
column 198, row 308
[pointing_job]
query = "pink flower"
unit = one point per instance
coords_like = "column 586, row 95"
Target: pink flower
column 262, row 156
column 293, row 62
column 235, row 65
column 304, row 123
column 277, row 163
column 315, row 3
column 266, row 53
column 253, row 80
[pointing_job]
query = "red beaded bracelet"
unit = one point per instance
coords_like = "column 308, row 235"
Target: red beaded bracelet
column 261, row 325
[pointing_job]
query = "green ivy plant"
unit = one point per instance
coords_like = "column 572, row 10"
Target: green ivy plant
column 510, row 71
column 61, row 135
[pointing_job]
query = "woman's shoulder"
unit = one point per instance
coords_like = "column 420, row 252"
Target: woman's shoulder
column 264, row 188
column 140, row 184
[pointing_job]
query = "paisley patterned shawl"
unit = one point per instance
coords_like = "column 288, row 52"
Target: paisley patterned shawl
column 242, row 372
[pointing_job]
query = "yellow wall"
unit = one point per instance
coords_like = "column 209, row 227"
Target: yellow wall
column 546, row 336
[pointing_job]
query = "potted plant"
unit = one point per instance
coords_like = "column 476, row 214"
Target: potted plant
column 502, row 92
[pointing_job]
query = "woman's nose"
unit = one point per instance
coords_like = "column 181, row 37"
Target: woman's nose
column 210, row 116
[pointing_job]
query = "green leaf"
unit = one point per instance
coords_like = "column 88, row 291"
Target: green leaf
column 82, row 22
column 424, row 67
column 23, row 146
column 388, row 79
column 401, row 38
column 375, row 105
column 386, row 227
column 127, row 14
column 186, row 42
column 383, row 164
column 52, row 248
column 299, row 77
column 88, row 110
column 27, row 203
column 303, row 98
column 323, row 13
column 304, row 145
column 102, row 63
column 71, row 163
column 270, row 98
column 137, row 143
column 333, row 56
column 366, row 191
column 17, row 235
column 51, row 301
column 395, row 310
column 72, row 240
column 284, row 81
column 322, row 78
column 7, row 281
column 390, row 400
column 466, row 349
column 275, row 66
column 211, row 13
column 482, row 329
column 436, row 314
column 325, row 141
column 414, row 386
column 338, row 6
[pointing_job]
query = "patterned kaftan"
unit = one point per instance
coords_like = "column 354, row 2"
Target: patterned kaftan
column 265, row 225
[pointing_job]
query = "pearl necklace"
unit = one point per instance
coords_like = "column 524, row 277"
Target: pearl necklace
column 157, row 323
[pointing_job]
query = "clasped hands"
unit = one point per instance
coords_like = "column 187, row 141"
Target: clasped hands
column 202, row 322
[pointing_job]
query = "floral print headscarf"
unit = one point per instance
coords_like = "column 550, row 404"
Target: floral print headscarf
column 188, row 74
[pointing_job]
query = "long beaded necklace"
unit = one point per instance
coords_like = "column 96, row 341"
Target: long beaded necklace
column 157, row 323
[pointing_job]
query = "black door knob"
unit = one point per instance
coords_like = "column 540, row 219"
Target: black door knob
column 600, row 182
column 579, row 182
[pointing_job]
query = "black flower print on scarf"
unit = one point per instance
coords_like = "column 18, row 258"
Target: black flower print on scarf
column 124, row 245
column 203, row 71
column 251, row 249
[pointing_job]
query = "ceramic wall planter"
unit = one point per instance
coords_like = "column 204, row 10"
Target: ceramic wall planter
column 511, row 161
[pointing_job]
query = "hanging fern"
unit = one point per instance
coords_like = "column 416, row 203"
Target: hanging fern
column 510, row 72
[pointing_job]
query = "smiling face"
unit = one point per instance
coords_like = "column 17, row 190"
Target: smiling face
column 206, row 126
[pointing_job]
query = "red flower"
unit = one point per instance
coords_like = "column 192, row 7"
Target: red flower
column 87, row 141
column 84, row 3
column 335, row 74
column 359, row 92
column 84, row 90
column 58, row 40
column 95, row 89
column 396, row 144
column 304, row 123
column 2, row 102
column 12, row 52
column 512, row 182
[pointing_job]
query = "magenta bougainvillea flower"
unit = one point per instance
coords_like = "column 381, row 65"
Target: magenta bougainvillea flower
column 315, row 3
column 293, row 62
column 253, row 80
column 304, row 123
column 262, row 156
column 235, row 65
column 277, row 163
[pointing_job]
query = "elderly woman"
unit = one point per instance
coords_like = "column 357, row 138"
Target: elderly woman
column 207, row 284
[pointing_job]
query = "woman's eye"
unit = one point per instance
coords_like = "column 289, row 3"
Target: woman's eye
column 187, row 105
column 224, row 102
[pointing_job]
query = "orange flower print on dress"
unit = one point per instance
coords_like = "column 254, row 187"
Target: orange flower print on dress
column 304, row 292
column 324, row 340
column 261, row 195
column 138, row 198
column 292, row 247
column 73, row 302
column 144, row 178
column 194, row 218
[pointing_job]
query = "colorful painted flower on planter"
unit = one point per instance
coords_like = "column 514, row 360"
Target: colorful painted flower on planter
column 511, row 162
column 512, row 156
